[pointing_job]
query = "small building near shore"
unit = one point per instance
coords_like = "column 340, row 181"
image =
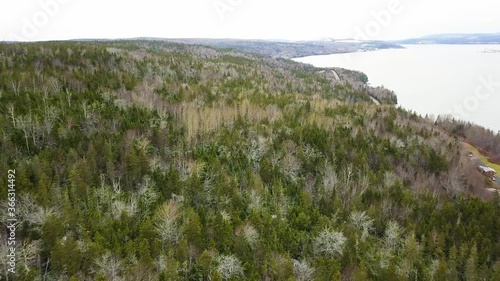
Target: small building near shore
column 487, row 171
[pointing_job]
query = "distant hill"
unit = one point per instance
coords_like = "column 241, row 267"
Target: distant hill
column 288, row 49
column 472, row 38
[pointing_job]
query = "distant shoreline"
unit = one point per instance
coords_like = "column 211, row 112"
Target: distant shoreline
column 410, row 98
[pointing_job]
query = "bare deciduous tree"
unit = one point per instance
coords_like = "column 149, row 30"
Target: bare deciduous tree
column 255, row 200
column 31, row 212
column 330, row 180
column 249, row 233
column 4, row 248
column 229, row 266
column 10, row 108
column 350, row 190
column 330, row 243
column 452, row 181
column 362, row 222
column 166, row 222
column 392, row 235
column 16, row 86
column 302, row 270
column 109, row 266
column 49, row 120
column 291, row 166
column 25, row 124
column 146, row 192
column 28, row 253
column 119, row 207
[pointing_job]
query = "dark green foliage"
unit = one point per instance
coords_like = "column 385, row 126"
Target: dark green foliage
column 152, row 161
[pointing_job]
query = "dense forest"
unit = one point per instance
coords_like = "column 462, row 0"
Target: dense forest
column 139, row 160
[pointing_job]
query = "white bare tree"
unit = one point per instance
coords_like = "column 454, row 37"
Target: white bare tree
column 229, row 266
column 256, row 149
column 146, row 192
column 302, row 270
column 225, row 216
column 362, row 222
column 330, row 243
column 350, row 190
column 249, row 233
column 452, row 181
column 156, row 163
column 16, row 86
column 348, row 173
column 49, row 120
column 109, row 266
column 389, row 179
column 392, row 237
column 28, row 253
column 32, row 213
column 25, row 124
column 69, row 94
column 386, row 207
column 282, row 205
column 54, row 86
column 104, row 194
column 166, row 223
column 4, row 248
column 118, row 207
column 11, row 109
column 144, row 145
column 330, row 179
column 291, row 166
column 40, row 215
column 311, row 152
column 256, row 201
column 161, row 263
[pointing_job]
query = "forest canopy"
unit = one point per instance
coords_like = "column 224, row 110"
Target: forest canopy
column 139, row 160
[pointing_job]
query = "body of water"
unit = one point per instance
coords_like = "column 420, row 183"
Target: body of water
column 461, row 80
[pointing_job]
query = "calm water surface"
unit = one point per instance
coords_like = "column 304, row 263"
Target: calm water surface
column 462, row 80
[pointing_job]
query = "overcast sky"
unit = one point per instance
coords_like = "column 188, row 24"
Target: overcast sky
column 34, row 20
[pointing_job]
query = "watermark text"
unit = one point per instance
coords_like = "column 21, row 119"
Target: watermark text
column 11, row 221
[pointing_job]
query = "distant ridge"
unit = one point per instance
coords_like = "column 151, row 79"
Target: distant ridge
column 455, row 38
column 278, row 48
